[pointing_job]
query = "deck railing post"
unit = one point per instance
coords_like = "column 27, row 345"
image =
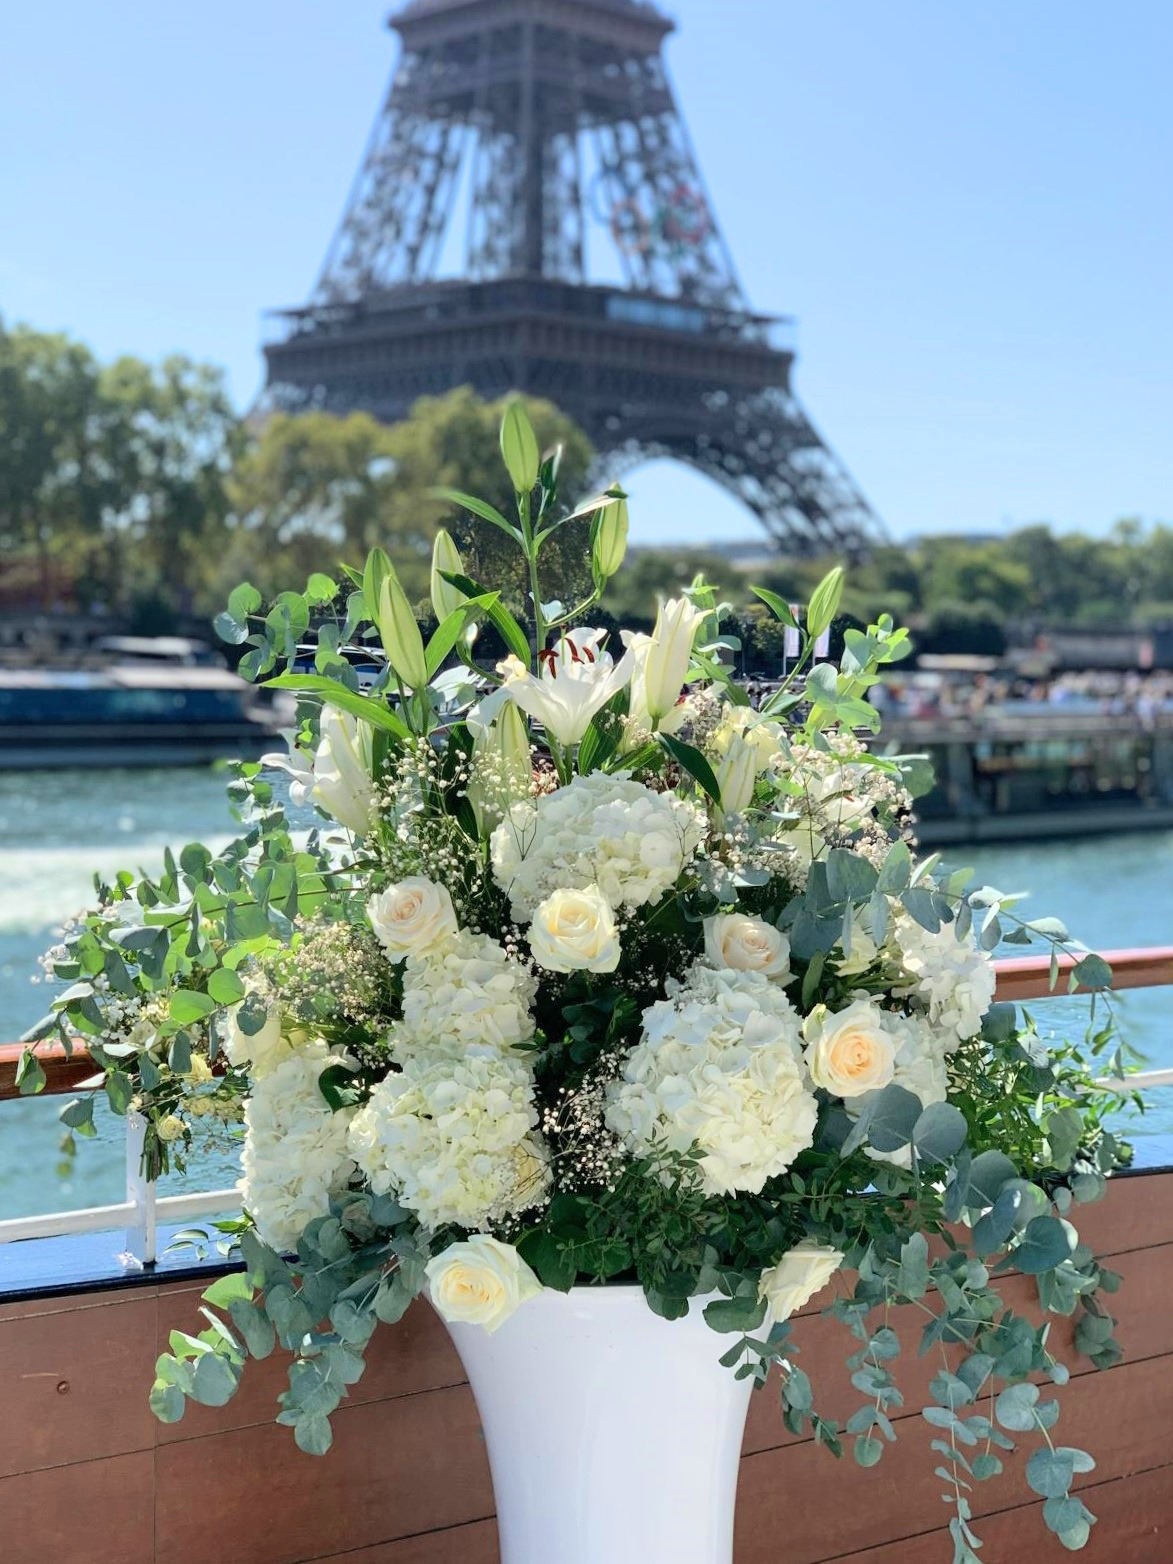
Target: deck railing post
column 141, row 1237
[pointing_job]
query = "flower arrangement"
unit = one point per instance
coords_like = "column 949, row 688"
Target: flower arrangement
column 597, row 973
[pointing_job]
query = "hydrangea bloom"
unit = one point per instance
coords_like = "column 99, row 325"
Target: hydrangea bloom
column 719, row 1067
column 467, row 992
column 295, row 1148
column 952, row 978
column 602, row 830
column 454, row 1140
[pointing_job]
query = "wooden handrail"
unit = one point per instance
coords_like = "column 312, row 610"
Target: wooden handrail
column 1019, row 978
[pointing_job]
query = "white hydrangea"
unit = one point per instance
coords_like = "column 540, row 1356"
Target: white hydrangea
column 454, row 1140
column 719, row 1066
column 469, row 992
column 599, row 830
column 295, row 1148
column 952, row 978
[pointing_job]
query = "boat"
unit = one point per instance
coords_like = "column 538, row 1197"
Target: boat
column 135, row 701
column 88, row 1477
column 1029, row 771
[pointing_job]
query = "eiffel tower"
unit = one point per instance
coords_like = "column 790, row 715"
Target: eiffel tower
column 546, row 134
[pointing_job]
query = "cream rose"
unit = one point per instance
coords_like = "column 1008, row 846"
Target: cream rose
column 480, row 1282
column 799, row 1275
column 850, row 1051
column 411, row 917
column 574, row 931
column 734, row 939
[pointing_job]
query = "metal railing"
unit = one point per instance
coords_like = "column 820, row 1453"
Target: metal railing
column 143, row 1211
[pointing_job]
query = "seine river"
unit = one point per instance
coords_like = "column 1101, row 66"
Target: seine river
column 57, row 829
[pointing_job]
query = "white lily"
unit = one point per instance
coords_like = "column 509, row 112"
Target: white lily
column 640, row 720
column 577, row 679
column 337, row 777
column 665, row 656
column 343, row 785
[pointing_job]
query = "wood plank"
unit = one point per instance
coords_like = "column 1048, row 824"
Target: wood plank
column 99, row 1512
column 845, row 1511
column 474, row 1544
column 402, row 1360
column 1029, row 977
column 63, row 1072
column 1134, row 1526
column 75, row 1385
column 398, row 1468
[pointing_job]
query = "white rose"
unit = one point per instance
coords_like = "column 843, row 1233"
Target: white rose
column 849, row 1052
column 262, row 1051
column 799, row 1275
column 480, row 1282
column 412, row 916
column 734, row 939
column 574, row 931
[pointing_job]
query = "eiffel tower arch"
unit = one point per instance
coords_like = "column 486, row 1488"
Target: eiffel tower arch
column 545, row 134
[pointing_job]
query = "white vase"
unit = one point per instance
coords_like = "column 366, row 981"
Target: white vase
column 614, row 1435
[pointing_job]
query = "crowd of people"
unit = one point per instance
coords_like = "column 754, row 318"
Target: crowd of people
column 1104, row 692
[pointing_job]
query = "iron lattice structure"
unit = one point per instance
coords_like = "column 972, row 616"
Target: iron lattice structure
column 546, row 133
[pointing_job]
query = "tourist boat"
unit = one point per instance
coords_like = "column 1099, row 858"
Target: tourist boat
column 139, row 702
column 1031, row 771
column 88, row 1477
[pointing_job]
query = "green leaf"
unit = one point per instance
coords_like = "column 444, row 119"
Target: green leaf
column 691, row 760
column 167, row 1402
column 1015, row 1408
column 225, row 987
column 896, row 871
column 367, row 708
column 214, row 1381
column 255, row 1328
column 225, row 1290
column 30, row 1077
column 498, row 615
column 824, row 603
column 741, row 1314
column 776, row 605
column 887, row 1120
column 1049, row 1472
column 119, row 1090
column 850, row 877
column 519, row 447
column 1046, row 1243
column 479, row 508
column 868, row 1450
column 188, row 1005
column 243, row 600
column 318, row 589
column 987, row 1174
column 1092, row 972
column 313, row 1434
column 939, row 1133
column 79, row 1113
column 454, row 626
column 230, row 630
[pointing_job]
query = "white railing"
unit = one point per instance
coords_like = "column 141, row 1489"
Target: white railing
column 142, row 1213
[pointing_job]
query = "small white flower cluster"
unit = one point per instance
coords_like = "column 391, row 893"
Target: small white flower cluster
column 454, row 1139
column 952, row 978
column 295, row 1151
column 606, row 831
column 719, row 1067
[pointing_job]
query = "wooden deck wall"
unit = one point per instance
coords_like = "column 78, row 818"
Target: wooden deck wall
column 88, row 1477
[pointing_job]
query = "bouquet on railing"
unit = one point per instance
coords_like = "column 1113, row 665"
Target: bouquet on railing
column 598, row 974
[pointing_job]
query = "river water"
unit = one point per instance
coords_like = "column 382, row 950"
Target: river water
column 57, row 829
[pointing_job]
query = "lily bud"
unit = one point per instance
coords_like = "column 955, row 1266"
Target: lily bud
column 609, row 535
column 446, row 599
column 400, row 634
column 736, row 773
column 502, row 770
column 668, row 655
column 342, row 783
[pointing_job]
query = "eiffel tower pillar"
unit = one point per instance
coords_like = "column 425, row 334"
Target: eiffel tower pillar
column 547, row 135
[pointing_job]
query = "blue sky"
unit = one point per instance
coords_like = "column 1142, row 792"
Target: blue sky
column 966, row 206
